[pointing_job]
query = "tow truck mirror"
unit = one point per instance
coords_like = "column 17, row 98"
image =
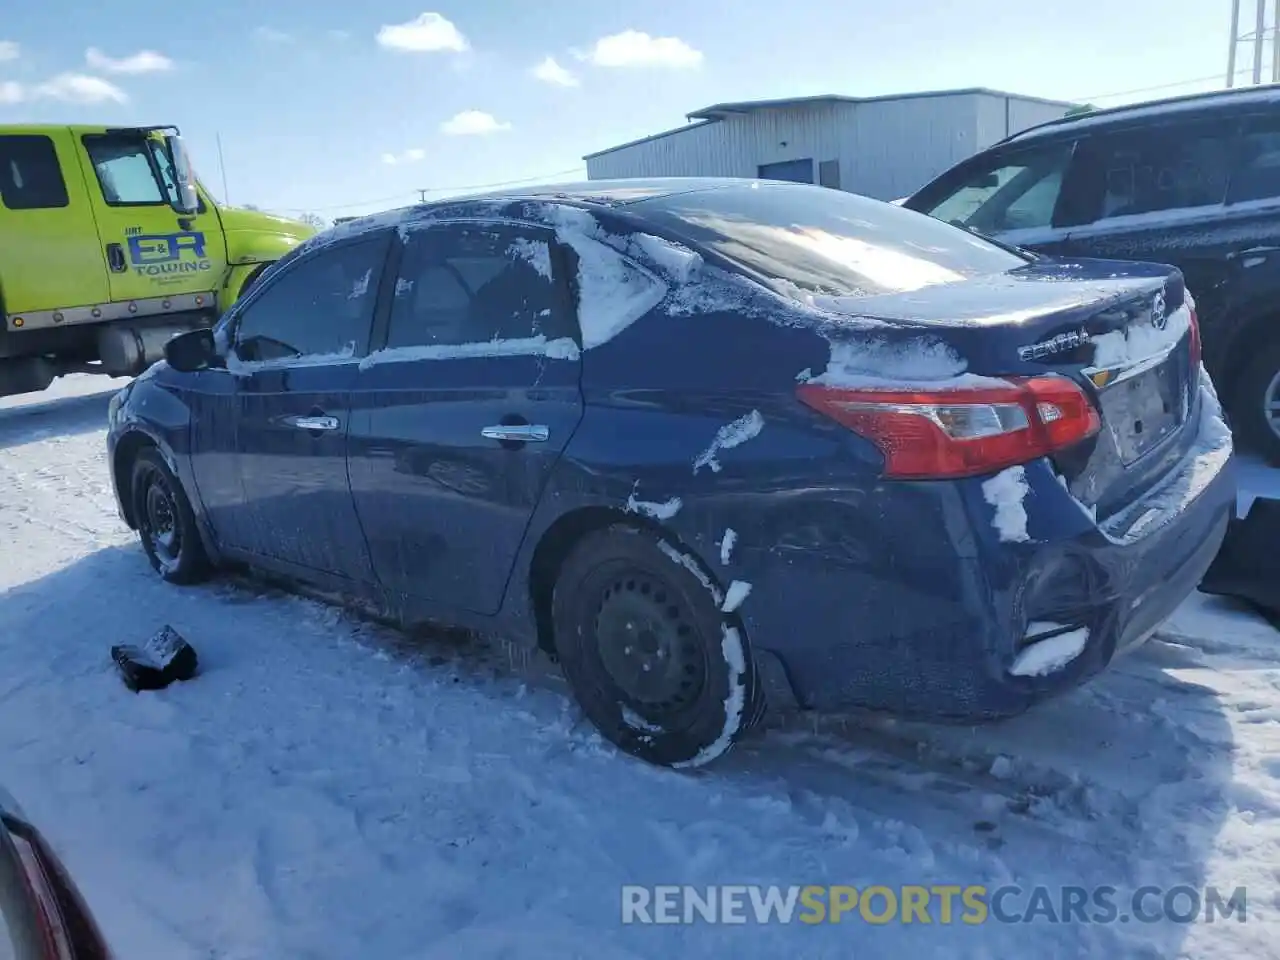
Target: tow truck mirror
column 187, row 200
column 192, row 351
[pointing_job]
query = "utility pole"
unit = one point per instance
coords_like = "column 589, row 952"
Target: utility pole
column 1259, row 37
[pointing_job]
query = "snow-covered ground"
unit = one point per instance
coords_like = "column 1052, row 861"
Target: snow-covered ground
column 330, row 789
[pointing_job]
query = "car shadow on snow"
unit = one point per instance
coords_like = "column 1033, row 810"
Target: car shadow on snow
column 1123, row 783
column 59, row 416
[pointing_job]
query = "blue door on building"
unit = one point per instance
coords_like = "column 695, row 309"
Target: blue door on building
column 797, row 171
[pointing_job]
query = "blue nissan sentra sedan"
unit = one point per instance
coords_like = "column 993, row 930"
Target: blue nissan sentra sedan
column 710, row 443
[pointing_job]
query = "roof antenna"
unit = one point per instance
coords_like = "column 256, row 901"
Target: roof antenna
column 226, row 197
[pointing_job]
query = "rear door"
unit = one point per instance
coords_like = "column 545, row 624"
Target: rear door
column 153, row 253
column 296, row 345
column 50, row 259
column 460, row 419
column 1155, row 192
column 1011, row 193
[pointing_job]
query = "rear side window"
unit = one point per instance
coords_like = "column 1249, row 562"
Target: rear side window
column 826, row 241
column 1010, row 191
column 1157, row 169
column 321, row 306
column 1257, row 176
column 30, row 176
column 473, row 283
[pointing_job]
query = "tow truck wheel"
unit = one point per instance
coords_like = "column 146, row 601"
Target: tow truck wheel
column 165, row 521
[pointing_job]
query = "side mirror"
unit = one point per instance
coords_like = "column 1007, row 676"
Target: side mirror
column 184, row 181
column 988, row 182
column 192, row 351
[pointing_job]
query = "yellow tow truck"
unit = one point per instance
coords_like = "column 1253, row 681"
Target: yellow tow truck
column 109, row 246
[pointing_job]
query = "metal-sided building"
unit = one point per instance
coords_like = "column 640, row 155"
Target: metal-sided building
column 883, row 147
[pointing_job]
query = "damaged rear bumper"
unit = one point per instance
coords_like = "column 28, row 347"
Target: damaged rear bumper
column 929, row 625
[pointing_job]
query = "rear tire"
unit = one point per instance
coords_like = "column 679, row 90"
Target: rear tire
column 1257, row 402
column 654, row 664
column 166, row 522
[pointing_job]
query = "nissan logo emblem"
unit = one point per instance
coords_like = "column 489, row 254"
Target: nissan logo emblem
column 1159, row 319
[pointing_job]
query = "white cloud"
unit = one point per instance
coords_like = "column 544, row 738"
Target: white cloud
column 81, row 88
column 8, row 50
column 426, row 33
column 144, row 61
column 549, row 71
column 412, row 155
column 271, row 35
column 472, row 123
column 339, row 35
column 632, row 48
column 11, row 92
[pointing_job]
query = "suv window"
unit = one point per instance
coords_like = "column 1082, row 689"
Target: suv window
column 1258, row 175
column 1011, row 191
column 473, row 283
column 1155, row 169
column 124, row 169
column 30, row 176
column 320, row 306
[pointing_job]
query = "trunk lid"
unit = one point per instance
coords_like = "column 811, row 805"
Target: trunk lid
column 1122, row 332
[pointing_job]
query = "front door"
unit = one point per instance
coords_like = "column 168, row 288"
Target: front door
column 152, row 252
column 459, row 421
column 296, row 345
column 50, row 258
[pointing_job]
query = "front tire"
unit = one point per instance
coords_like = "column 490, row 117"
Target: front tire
column 165, row 521
column 651, row 660
column 1257, row 406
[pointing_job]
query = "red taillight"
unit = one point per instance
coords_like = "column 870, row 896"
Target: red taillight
column 961, row 431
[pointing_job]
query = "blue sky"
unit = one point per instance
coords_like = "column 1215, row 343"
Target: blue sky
column 312, row 98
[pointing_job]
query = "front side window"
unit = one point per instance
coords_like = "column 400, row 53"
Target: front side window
column 30, row 176
column 321, row 306
column 1012, row 192
column 828, row 242
column 473, row 284
column 124, row 169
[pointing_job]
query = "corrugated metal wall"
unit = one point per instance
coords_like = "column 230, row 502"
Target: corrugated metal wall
column 885, row 148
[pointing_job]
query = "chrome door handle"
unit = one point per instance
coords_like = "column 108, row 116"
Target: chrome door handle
column 516, row 431
column 314, row 423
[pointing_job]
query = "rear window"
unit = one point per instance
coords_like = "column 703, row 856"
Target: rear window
column 826, row 241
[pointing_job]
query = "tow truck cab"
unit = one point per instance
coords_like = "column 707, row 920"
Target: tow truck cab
column 109, row 246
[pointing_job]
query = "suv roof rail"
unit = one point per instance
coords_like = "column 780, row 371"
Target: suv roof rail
column 1190, row 99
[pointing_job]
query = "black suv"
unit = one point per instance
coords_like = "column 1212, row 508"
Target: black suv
column 1192, row 181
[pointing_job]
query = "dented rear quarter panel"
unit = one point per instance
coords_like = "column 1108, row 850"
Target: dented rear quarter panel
column 803, row 492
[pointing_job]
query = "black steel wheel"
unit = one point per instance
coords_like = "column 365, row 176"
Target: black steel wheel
column 652, row 661
column 165, row 522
